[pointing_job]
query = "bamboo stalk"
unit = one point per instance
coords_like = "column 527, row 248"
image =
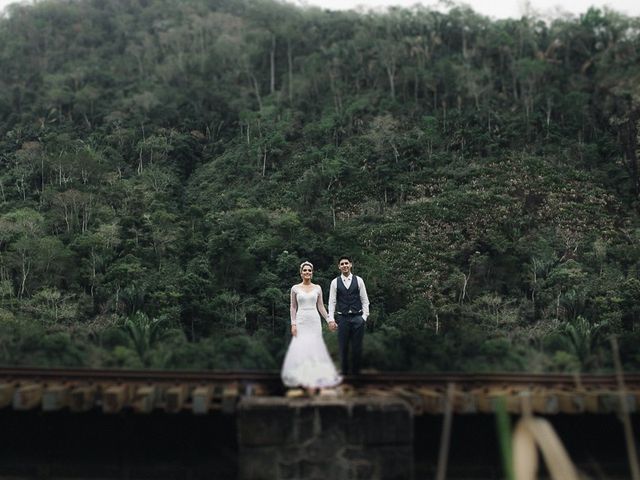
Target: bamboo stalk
column 445, row 438
column 531, row 432
column 503, row 424
column 632, row 450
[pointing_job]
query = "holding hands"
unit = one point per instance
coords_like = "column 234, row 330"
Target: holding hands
column 333, row 326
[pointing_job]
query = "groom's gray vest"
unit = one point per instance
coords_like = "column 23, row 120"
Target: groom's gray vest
column 348, row 301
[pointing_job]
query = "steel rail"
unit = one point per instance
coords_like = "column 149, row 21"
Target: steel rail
column 273, row 377
column 162, row 376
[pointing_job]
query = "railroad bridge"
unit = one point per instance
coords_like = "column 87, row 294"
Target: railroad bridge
column 62, row 423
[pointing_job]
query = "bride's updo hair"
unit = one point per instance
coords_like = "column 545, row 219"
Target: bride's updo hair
column 305, row 263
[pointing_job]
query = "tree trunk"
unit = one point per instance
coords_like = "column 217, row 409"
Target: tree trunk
column 629, row 140
column 463, row 294
column 264, row 162
column 42, row 183
column 94, row 274
column 256, row 89
column 272, row 58
column 26, row 267
column 290, row 62
column 337, row 99
column 391, row 73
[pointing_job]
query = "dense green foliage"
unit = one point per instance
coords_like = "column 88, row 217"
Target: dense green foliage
column 165, row 166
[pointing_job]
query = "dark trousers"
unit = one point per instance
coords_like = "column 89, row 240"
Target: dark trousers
column 350, row 335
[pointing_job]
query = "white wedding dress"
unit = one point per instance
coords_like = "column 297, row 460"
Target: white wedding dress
column 307, row 362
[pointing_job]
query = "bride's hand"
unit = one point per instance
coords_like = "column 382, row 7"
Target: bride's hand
column 294, row 330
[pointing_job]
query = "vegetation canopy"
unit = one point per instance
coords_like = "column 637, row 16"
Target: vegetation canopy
column 166, row 166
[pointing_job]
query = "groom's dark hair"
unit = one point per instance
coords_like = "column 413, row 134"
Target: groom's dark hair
column 345, row 257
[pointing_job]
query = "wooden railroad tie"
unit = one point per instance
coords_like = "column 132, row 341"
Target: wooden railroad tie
column 230, row 395
column 144, row 399
column 175, row 398
column 6, row 393
column 83, row 398
column 55, row 397
column 28, row 396
column 201, row 399
column 115, row 397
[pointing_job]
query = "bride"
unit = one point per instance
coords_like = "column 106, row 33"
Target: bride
column 307, row 362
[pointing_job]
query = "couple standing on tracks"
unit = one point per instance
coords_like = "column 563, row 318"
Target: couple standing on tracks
column 307, row 362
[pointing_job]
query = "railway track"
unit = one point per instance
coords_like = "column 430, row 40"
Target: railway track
column 201, row 392
column 273, row 377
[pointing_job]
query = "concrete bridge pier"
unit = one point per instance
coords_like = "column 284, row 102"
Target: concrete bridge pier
column 325, row 438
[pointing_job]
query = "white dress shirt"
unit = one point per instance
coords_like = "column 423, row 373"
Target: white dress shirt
column 333, row 290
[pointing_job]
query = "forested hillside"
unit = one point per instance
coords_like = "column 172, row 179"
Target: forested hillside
column 165, row 166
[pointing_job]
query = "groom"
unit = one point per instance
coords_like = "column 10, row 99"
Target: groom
column 348, row 312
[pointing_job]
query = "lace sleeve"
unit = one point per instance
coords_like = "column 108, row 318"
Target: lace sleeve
column 320, row 305
column 294, row 305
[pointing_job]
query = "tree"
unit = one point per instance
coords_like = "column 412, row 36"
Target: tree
column 144, row 333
